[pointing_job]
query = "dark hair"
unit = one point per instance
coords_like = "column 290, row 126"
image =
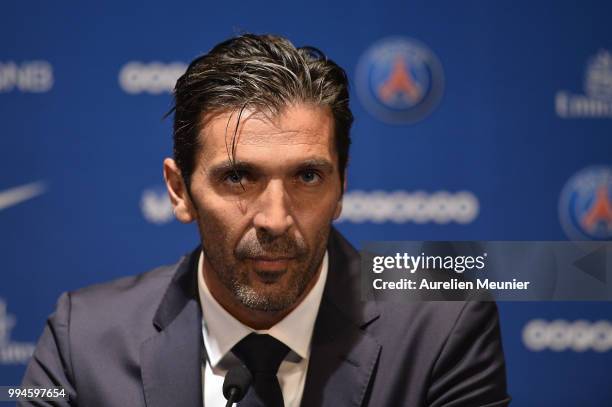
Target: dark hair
column 263, row 72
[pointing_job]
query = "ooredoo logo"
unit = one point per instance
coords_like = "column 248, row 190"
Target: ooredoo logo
column 585, row 206
column 154, row 77
column 399, row 80
column 440, row 207
column 561, row 335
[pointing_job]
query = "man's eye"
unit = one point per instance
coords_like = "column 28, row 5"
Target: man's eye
column 309, row 177
column 234, row 177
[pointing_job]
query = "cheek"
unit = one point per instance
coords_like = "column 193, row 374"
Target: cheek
column 220, row 221
column 315, row 219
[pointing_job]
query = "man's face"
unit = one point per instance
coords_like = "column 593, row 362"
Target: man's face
column 264, row 222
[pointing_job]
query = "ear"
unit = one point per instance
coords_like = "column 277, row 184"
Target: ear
column 338, row 210
column 177, row 191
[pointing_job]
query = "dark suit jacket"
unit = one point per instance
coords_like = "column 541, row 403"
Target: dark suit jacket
column 137, row 341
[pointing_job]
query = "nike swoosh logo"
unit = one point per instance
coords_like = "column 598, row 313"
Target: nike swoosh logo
column 17, row 195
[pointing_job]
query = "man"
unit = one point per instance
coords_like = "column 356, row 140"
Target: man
column 261, row 140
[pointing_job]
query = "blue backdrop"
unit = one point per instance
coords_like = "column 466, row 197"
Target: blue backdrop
column 474, row 120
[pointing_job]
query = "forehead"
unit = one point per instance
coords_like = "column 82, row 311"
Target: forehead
column 299, row 131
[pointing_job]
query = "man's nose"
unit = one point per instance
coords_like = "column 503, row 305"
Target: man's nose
column 273, row 211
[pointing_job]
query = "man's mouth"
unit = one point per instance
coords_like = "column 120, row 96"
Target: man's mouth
column 270, row 265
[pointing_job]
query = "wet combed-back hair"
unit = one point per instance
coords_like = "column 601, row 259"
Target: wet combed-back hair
column 261, row 72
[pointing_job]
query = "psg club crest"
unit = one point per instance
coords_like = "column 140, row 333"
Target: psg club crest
column 585, row 207
column 399, row 80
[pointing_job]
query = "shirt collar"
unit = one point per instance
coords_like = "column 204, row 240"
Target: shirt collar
column 221, row 331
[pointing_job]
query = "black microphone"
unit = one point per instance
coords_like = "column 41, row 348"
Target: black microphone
column 236, row 384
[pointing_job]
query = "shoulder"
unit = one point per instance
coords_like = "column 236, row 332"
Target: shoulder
column 112, row 317
column 439, row 316
column 435, row 326
column 445, row 350
column 119, row 299
column 141, row 290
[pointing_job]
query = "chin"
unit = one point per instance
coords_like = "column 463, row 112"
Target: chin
column 266, row 299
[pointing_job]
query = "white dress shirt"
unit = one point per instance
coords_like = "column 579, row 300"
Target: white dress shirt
column 221, row 331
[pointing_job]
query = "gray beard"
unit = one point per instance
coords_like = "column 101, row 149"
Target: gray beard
column 271, row 303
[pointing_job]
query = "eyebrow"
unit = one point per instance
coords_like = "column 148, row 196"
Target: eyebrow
column 227, row 166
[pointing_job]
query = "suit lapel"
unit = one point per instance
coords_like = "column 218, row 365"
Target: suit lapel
column 343, row 356
column 342, row 362
column 171, row 359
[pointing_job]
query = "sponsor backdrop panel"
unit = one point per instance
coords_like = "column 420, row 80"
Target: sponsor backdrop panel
column 474, row 120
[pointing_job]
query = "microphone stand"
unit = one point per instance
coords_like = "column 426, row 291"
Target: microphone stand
column 232, row 396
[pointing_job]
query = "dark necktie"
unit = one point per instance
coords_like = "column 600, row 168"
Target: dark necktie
column 262, row 355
